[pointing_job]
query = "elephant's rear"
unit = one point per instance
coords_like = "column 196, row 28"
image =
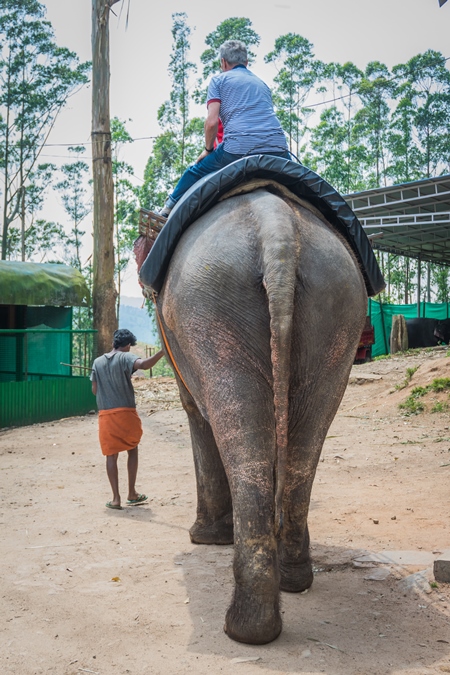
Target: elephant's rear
column 215, row 305
column 262, row 298
column 263, row 307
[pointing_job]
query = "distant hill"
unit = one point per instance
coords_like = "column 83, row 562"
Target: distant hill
column 134, row 317
column 132, row 302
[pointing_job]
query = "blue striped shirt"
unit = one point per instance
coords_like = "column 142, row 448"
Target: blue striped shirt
column 246, row 110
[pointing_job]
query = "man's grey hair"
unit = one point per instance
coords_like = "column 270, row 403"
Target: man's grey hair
column 234, row 52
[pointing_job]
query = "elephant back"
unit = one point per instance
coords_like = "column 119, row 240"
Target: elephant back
column 300, row 180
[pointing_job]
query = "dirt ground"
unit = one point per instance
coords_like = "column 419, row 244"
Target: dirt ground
column 85, row 589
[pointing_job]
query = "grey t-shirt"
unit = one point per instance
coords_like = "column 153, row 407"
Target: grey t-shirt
column 112, row 372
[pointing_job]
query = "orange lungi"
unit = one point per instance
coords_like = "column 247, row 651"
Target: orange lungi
column 118, row 429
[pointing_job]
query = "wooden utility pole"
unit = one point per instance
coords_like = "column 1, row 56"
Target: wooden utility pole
column 104, row 292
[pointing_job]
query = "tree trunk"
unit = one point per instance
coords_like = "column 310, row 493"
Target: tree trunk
column 6, row 164
column 407, row 282
column 399, row 334
column 104, row 292
column 22, row 180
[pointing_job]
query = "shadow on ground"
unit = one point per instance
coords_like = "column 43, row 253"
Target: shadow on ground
column 346, row 624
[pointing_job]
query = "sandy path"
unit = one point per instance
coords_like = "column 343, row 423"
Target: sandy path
column 89, row 590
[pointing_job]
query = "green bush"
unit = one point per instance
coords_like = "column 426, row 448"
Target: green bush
column 418, row 391
column 162, row 369
column 440, row 406
column 413, row 405
column 409, row 373
column 440, row 384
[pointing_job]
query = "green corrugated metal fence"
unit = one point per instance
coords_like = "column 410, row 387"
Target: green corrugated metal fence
column 24, row 403
column 381, row 318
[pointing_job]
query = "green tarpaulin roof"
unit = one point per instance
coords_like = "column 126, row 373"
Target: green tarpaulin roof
column 51, row 284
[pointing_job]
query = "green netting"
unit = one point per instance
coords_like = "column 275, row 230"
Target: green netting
column 381, row 318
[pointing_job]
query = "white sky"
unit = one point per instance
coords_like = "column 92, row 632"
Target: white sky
column 390, row 31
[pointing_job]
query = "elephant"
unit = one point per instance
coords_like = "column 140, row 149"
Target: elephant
column 261, row 311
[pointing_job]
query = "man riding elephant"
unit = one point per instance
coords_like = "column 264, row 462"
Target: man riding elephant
column 244, row 105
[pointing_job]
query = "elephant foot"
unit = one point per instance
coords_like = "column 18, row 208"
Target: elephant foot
column 220, row 532
column 295, row 579
column 253, row 619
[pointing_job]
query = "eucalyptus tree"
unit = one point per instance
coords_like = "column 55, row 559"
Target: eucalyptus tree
column 234, row 28
column 349, row 78
column 332, row 156
column 426, row 93
column 36, row 79
column 181, row 139
column 158, row 174
column 298, row 73
column 31, row 201
column 42, row 240
column 401, row 279
column 174, row 113
column 75, row 195
column 405, row 163
column 372, row 120
column 336, row 149
column 327, row 143
column 440, row 277
column 125, row 203
column 77, row 203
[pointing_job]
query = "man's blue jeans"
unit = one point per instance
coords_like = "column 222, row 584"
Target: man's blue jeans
column 213, row 162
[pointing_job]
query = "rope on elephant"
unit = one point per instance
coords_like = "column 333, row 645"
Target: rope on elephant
column 166, row 344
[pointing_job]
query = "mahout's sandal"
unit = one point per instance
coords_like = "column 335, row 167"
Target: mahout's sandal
column 139, row 499
column 110, row 505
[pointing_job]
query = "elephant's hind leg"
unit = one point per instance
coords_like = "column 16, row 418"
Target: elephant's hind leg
column 247, row 451
column 305, row 444
column 214, row 522
column 296, row 571
column 294, row 553
column 254, row 614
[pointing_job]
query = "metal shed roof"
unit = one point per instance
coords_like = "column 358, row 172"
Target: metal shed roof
column 411, row 219
column 27, row 283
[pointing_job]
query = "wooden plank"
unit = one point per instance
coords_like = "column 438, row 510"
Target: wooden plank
column 150, row 223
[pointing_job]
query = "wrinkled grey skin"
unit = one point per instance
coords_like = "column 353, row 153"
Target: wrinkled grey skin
column 263, row 306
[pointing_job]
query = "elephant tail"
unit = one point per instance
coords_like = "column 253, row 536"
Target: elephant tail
column 280, row 262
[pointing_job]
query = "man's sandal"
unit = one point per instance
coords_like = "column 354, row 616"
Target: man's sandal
column 139, row 499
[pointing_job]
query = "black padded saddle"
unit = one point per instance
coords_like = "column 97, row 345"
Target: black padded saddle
column 297, row 178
